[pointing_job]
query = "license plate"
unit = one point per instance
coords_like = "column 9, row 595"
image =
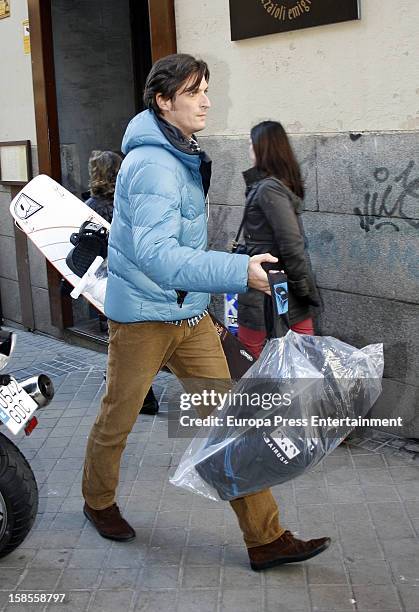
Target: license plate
column 16, row 406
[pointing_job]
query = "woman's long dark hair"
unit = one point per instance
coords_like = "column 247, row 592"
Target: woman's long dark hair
column 275, row 156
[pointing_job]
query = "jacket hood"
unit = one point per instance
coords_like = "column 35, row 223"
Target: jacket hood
column 253, row 176
column 146, row 129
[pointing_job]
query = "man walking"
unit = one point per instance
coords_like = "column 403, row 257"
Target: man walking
column 160, row 277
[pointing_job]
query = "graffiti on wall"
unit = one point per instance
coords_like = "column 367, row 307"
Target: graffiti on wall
column 386, row 205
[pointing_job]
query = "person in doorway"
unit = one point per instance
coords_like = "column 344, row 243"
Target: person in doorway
column 272, row 222
column 103, row 170
column 160, row 277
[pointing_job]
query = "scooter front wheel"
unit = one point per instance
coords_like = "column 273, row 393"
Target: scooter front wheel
column 18, row 497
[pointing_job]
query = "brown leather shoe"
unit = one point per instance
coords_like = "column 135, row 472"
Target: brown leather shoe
column 109, row 523
column 286, row 549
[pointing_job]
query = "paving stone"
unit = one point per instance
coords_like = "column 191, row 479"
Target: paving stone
column 379, row 492
column 346, row 494
column 10, row 577
column 368, row 572
column 369, row 461
column 361, row 547
column 357, row 512
column 211, row 516
column 4, row 598
column 72, row 504
column 235, row 577
column 169, row 537
column 61, row 539
column 242, row 600
column 408, row 490
column 51, row 559
column 76, row 601
column 406, row 572
column 326, row 597
column 415, row 523
column 140, row 518
column 386, row 511
column 87, row 558
column 401, row 548
column 172, row 519
column 316, row 529
column 342, row 475
column 157, row 577
column 78, row 579
column 89, row 538
column 409, row 596
column 201, row 577
column 109, row 601
column 286, row 599
column 69, row 520
column 374, row 475
column 377, row 597
column 19, row 558
column 311, row 495
column 119, row 579
column 125, row 557
column 39, row 579
column 150, row 601
column 193, row 600
column 399, row 529
column 21, row 607
column 212, row 537
column 404, row 474
column 235, row 555
column 327, row 573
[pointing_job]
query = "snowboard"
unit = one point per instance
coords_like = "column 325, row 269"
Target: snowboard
column 49, row 215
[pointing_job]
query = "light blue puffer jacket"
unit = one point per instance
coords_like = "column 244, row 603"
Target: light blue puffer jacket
column 158, row 234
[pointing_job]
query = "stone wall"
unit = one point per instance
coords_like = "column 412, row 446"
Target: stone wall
column 362, row 221
column 9, row 282
column 353, row 76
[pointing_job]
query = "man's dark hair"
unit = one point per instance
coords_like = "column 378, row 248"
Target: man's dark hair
column 169, row 73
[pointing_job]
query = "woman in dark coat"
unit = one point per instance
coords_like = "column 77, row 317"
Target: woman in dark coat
column 272, row 224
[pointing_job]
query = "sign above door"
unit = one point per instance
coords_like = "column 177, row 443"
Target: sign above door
column 251, row 18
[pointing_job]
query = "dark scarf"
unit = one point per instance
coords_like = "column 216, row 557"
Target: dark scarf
column 189, row 146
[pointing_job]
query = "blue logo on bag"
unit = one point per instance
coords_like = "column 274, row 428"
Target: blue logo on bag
column 281, row 297
column 3, row 416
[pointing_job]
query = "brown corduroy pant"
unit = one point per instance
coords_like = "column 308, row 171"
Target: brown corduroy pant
column 137, row 351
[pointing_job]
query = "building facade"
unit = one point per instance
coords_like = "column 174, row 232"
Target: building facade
column 348, row 95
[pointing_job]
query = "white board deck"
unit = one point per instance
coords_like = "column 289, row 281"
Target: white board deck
column 49, row 214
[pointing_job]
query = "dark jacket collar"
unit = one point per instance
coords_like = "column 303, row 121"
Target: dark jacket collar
column 176, row 137
column 191, row 147
column 253, row 175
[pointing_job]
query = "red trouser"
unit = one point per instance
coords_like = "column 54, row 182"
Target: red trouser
column 254, row 339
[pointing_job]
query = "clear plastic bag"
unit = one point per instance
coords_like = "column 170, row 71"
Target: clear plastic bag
column 326, row 379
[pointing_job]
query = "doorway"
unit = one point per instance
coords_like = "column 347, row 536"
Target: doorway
column 102, row 56
column 103, row 51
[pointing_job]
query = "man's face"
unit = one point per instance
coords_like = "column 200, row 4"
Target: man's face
column 188, row 110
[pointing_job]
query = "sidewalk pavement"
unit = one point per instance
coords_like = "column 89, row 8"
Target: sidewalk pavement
column 188, row 554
